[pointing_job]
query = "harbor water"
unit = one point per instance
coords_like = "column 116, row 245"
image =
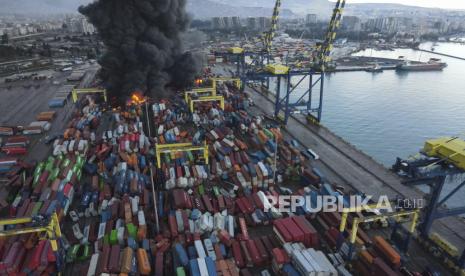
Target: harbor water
column 391, row 114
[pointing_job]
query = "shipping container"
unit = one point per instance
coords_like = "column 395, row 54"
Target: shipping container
column 388, row 253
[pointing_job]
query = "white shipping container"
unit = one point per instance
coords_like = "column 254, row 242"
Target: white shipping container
column 319, row 270
column 199, row 248
column 209, row 248
column 179, row 221
column 93, row 265
column 101, row 230
column 324, row 260
column 231, row 226
column 302, row 264
column 343, row 271
column 134, row 204
column 202, row 266
column 141, row 217
column 77, row 231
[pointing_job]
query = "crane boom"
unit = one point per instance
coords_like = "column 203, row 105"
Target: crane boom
column 327, row 46
column 268, row 37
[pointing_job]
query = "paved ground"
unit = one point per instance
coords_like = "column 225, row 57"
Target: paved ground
column 20, row 102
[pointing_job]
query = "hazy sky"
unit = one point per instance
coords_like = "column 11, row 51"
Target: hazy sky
column 445, row 4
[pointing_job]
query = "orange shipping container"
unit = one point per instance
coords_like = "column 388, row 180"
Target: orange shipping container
column 126, row 260
column 143, row 262
column 366, row 257
column 386, row 250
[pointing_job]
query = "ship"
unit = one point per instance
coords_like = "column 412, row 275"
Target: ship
column 374, row 69
column 433, row 64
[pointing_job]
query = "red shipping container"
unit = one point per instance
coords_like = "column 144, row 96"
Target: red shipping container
column 258, row 202
column 14, row 151
column 280, row 256
column 34, row 262
column 113, row 262
column 281, row 231
column 217, row 249
column 159, row 264
column 238, row 257
column 248, row 205
column 380, row 268
column 332, row 236
column 224, row 237
column 19, row 261
column 173, row 225
column 267, row 243
column 243, row 227
column 179, row 198
column 11, row 255
column 294, row 230
column 300, row 221
column 262, row 250
column 245, row 272
column 240, row 206
column 207, row 203
column 254, row 253
column 44, row 257
column 185, row 220
column 245, row 250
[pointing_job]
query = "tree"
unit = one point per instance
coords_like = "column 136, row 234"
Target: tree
column 5, row 38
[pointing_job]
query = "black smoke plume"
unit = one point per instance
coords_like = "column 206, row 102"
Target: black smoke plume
column 144, row 49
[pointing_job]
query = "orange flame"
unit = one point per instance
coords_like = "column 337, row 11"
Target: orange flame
column 137, row 98
column 198, row 82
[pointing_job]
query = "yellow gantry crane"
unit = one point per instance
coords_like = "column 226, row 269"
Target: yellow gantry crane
column 78, row 91
column 324, row 52
column 258, row 57
column 50, row 227
column 237, row 81
column 179, row 147
column 268, row 37
column 211, row 91
column 191, row 101
column 413, row 214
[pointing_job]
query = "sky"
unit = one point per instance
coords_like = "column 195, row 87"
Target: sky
column 445, row 4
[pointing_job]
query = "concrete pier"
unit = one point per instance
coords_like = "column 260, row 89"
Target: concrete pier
column 442, row 54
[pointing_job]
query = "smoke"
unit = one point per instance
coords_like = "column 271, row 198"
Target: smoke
column 144, row 49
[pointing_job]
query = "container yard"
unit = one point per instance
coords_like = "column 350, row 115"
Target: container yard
column 216, row 176
column 182, row 186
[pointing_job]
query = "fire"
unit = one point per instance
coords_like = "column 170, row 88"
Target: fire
column 198, row 82
column 137, row 98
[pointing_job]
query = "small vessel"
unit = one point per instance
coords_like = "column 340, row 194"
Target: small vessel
column 433, row 64
column 374, row 69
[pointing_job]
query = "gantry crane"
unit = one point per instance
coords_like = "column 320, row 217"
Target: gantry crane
column 77, row 91
column 180, row 147
column 284, row 76
column 49, row 226
column 260, row 57
column 414, row 215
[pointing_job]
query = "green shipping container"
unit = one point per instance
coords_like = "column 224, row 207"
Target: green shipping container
column 65, row 163
column 113, row 237
column 216, row 191
column 180, row 271
column 36, row 208
column 201, row 189
column 132, row 230
column 85, row 252
column 53, row 175
column 39, row 168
